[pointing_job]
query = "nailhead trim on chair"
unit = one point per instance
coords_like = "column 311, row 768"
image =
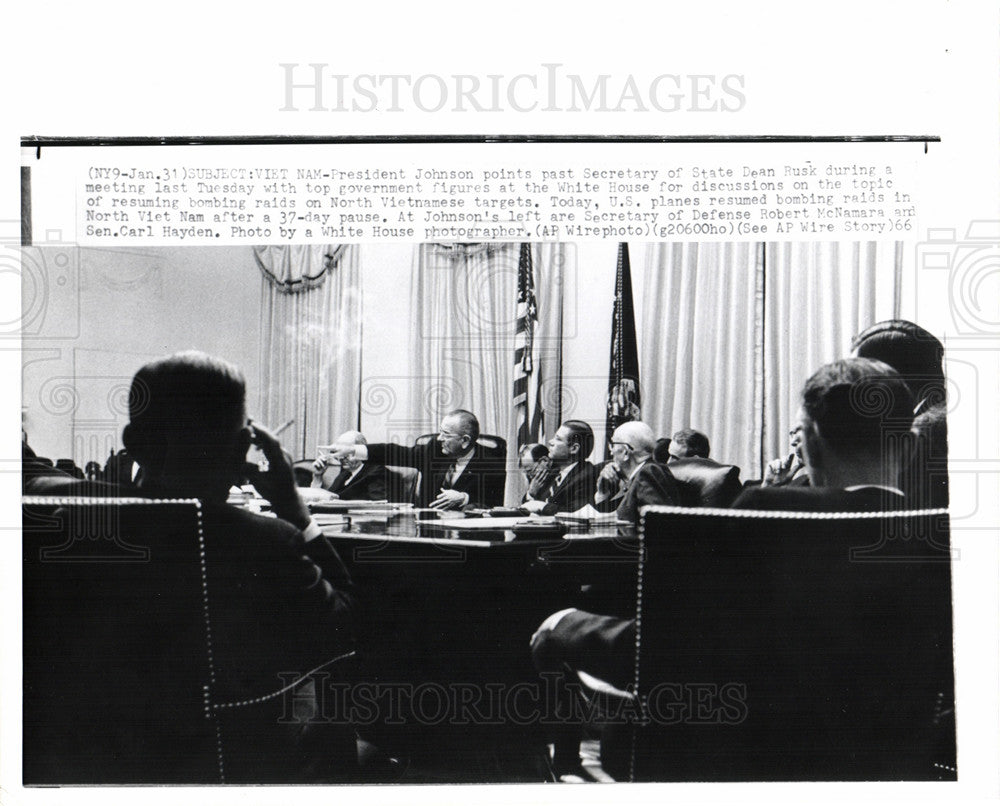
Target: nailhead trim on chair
column 735, row 513
column 256, row 700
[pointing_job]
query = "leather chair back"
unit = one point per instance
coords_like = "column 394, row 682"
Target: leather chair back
column 705, row 483
column 116, row 652
column 122, row 600
column 794, row 646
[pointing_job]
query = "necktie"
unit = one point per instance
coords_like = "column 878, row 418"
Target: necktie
column 340, row 480
column 449, row 477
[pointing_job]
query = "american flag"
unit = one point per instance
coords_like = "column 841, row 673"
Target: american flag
column 525, row 378
column 623, row 401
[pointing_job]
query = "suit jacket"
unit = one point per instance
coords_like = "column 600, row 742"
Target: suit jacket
column 604, row 646
column 925, row 478
column 118, row 469
column 819, row 499
column 483, row 478
column 369, row 485
column 651, row 485
column 575, row 491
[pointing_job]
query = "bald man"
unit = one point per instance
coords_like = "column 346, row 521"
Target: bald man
column 646, row 481
column 353, row 479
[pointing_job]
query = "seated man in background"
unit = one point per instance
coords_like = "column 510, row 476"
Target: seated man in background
column 455, row 471
column 701, row 482
column 790, row 469
column 646, row 482
column 281, row 599
column 353, row 480
column 855, row 418
column 568, row 482
column 918, row 357
column 852, row 455
column 688, row 443
column 532, row 461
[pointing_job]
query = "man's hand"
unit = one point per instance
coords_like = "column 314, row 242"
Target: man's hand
column 608, row 482
column 450, row 499
column 277, row 483
column 780, row 471
column 319, row 466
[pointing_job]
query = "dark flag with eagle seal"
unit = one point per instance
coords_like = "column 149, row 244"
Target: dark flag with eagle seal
column 623, row 402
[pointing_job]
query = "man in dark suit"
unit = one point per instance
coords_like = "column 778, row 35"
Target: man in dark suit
column 569, row 482
column 281, row 599
column 352, row 480
column 645, row 482
column 855, row 419
column 918, row 356
column 854, row 416
column 455, row 471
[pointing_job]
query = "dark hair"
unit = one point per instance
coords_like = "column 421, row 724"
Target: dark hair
column 910, row 350
column 536, row 450
column 580, row 433
column 186, row 398
column 856, row 402
column 693, row 443
column 661, row 453
column 467, row 422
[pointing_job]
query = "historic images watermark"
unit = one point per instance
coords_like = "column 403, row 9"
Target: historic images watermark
column 319, row 87
column 540, row 702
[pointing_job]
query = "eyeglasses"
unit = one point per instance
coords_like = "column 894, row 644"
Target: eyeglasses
column 623, row 444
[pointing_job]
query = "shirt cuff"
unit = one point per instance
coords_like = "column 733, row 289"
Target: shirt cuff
column 312, row 531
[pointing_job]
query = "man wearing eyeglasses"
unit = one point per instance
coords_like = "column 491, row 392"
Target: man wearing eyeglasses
column 645, row 481
column 455, row 472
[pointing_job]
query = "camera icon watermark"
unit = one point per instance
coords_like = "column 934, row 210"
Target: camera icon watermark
column 972, row 265
column 45, row 278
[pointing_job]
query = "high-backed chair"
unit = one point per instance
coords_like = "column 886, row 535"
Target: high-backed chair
column 121, row 640
column 302, row 469
column 69, row 466
column 705, row 482
column 793, row 646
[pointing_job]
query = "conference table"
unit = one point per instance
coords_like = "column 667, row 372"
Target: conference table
column 451, row 600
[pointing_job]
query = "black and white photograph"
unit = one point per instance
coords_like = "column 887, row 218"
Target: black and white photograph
column 449, row 404
column 483, row 513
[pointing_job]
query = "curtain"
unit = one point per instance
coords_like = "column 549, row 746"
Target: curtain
column 700, row 326
column 817, row 296
column 297, row 268
column 462, row 326
column 310, row 343
column 463, row 323
column 730, row 332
